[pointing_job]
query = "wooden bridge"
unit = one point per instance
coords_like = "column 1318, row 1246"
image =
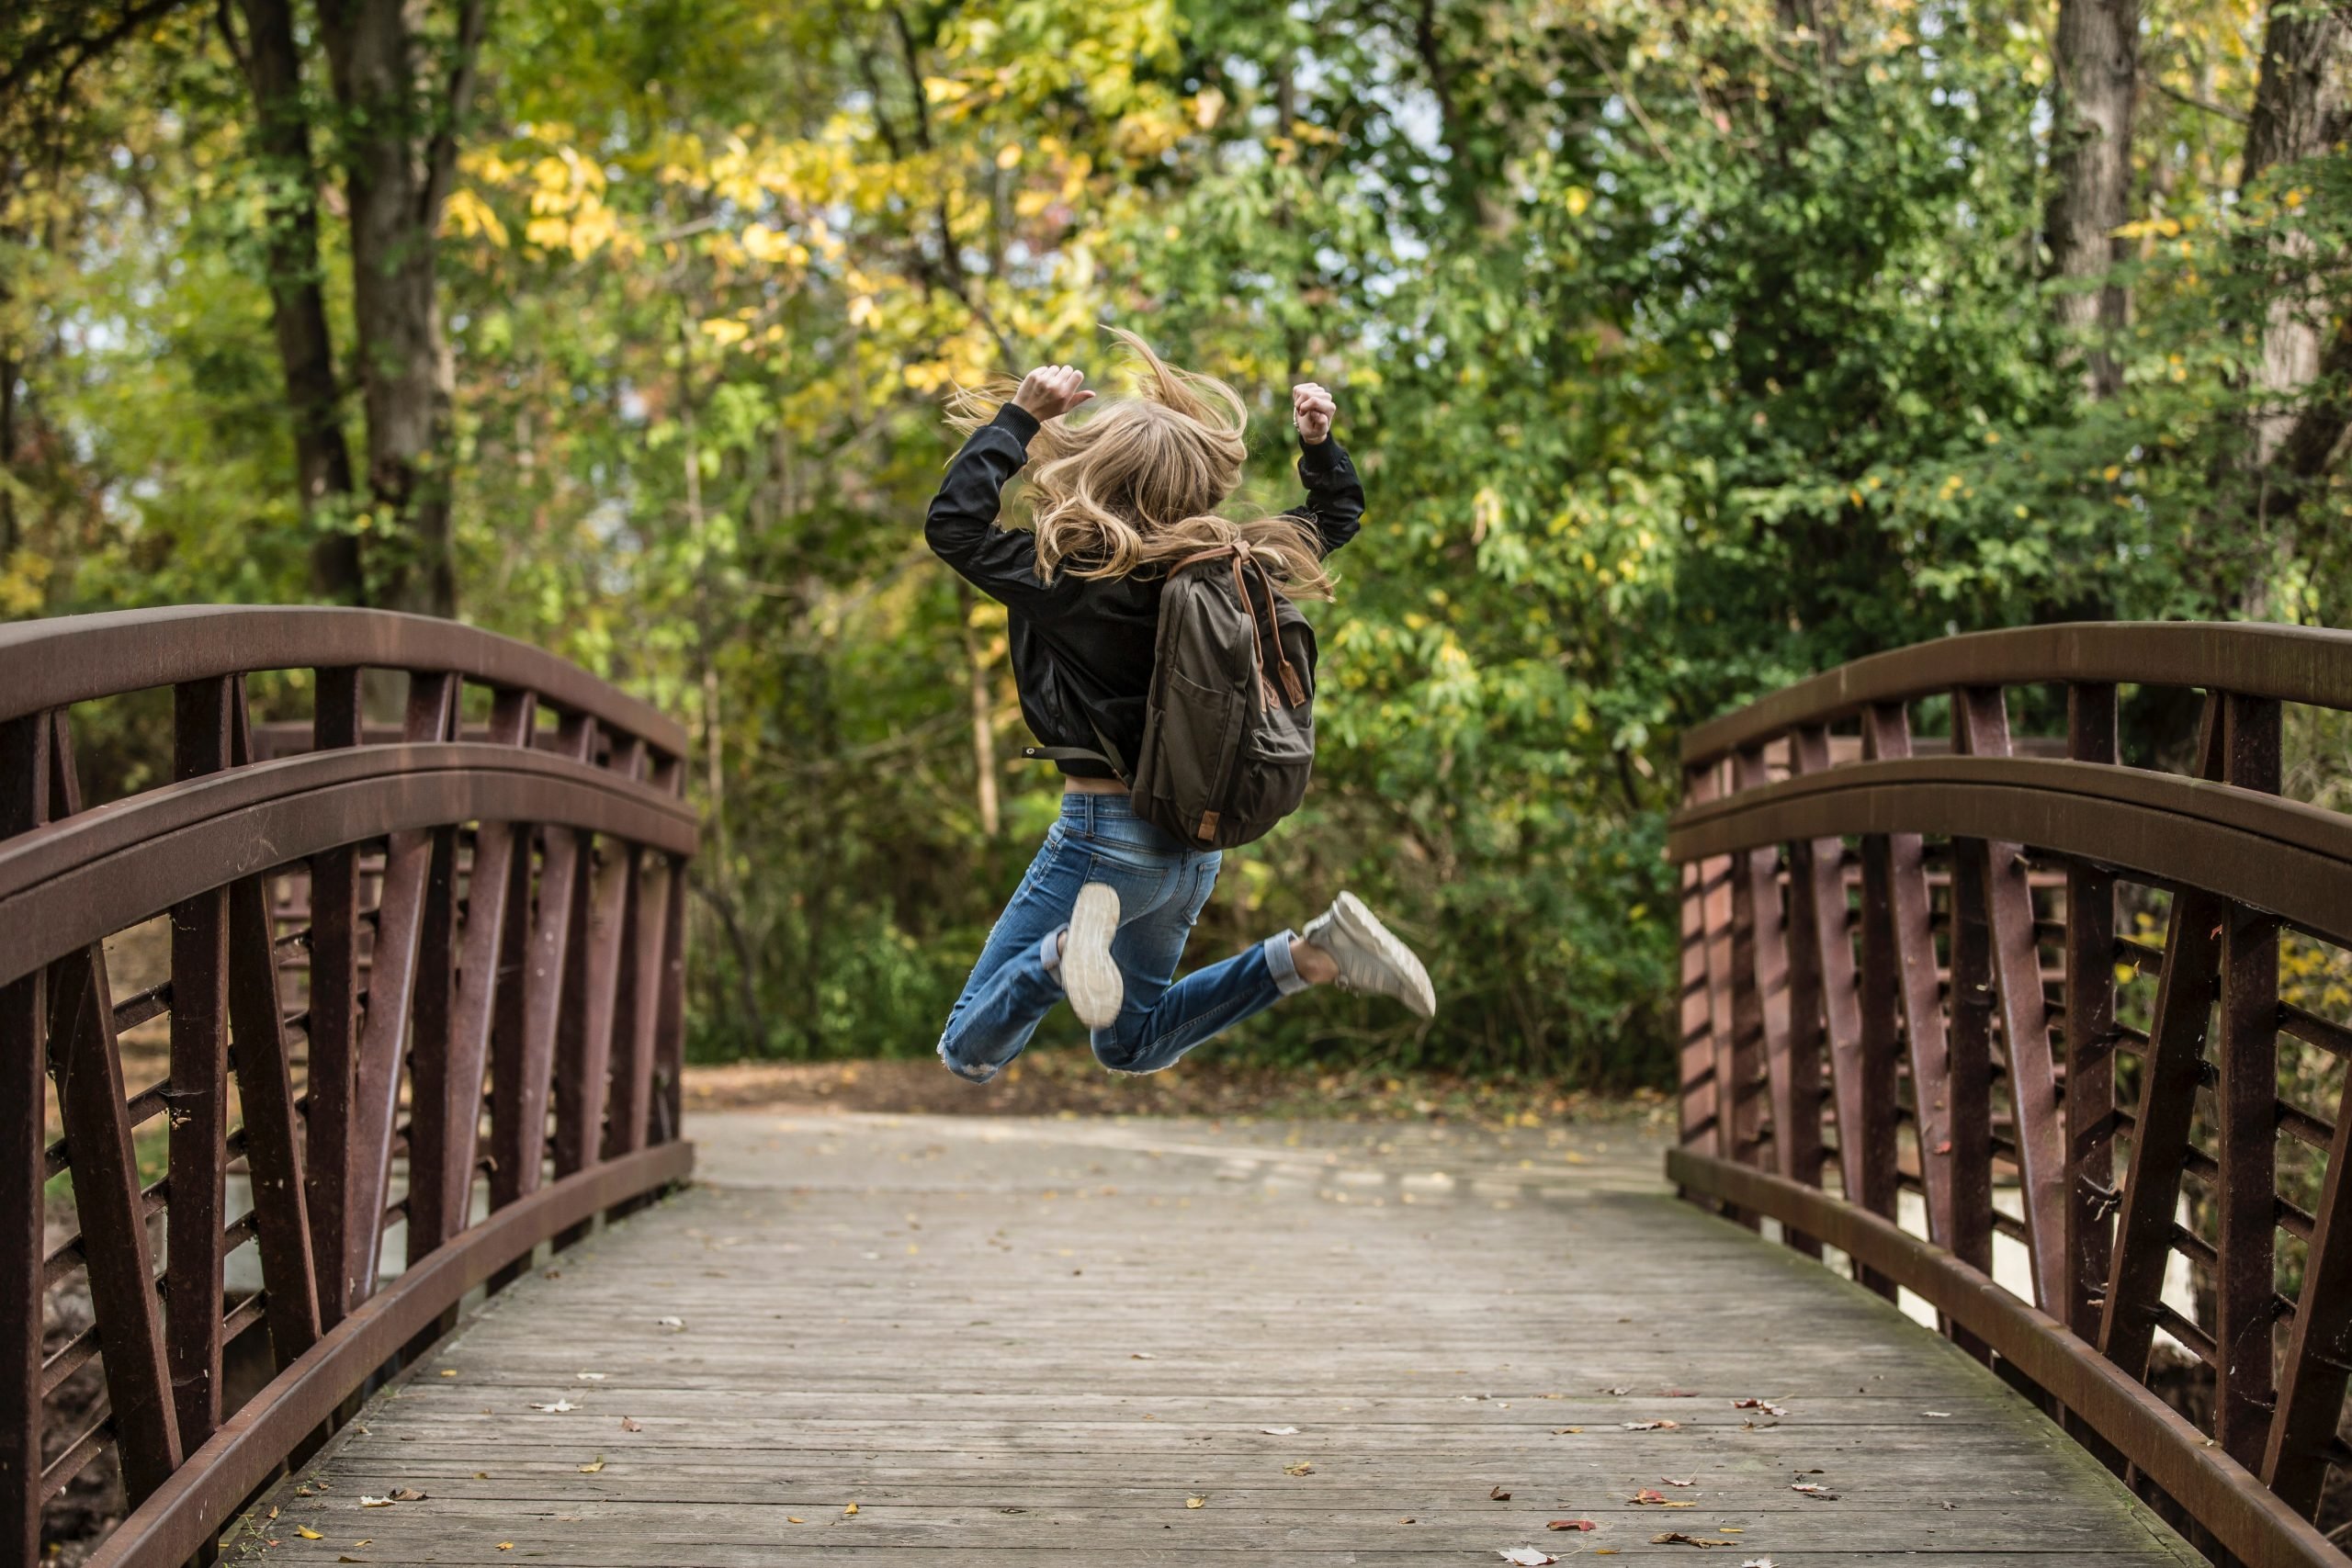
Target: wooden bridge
column 400, row 1261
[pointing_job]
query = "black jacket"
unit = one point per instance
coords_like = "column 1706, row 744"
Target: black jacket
column 1082, row 648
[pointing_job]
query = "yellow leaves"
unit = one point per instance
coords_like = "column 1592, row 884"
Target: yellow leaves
column 1009, row 155
column 593, row 1467
column 849, row 1510
column 468, row 215
column 762, row 244
column 1576, row 200
column 306, row 1533
column 725, row 331
column 1196, row 1502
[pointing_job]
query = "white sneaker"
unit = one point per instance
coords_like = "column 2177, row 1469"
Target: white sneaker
column 1089, row 975
column 1370, row 957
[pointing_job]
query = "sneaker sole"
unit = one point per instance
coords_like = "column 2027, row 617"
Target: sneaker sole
column 1365, row 927
column 1089, row 975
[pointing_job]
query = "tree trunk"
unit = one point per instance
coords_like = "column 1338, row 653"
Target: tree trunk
column 400, row 153
column 272, row 61
column 2299, row 106
column 983, row 709
column 2097, row 68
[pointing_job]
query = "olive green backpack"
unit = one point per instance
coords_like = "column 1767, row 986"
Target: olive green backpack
column 1228, row 735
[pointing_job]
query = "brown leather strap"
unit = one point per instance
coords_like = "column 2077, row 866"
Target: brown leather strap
column 1239, row 553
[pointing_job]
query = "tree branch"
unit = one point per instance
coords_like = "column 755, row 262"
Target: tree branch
column 2191, row 100
column 46, row 47
column 441, row 158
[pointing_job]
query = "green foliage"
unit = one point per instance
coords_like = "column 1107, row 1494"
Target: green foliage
column 1682, row 355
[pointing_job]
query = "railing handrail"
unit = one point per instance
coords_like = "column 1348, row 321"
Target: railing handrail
column 74, row 658
column 1852, row 911
column 487, row 921
column 2293, row 664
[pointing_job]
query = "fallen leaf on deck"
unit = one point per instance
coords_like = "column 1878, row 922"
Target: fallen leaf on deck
column 671, row 1324
column 592, row 1468
column 347, row 1557
column 631, row 1424
column 794, row 1519
column 368, row 1502
column 1670, row 1481
column 558, row 1408
column 306, row 1533
column 1569, row 1525
column 851, row 1510
column 357, row 1544
column 404, row 1494
column 1303, row 1467
column 448, row 1371
column 1564, row 1431
column 590, row 1377
column 1759, row 1563
column 1938, row 1414
column 1676, row 1538
column 1766, row 1406
column 1813, row 1489
column 1280, row 1431
column 1196, row 1502
column 505, row 1546
column 1619, row 1393
column 1499, row 1495
column 1141, row 1356
column 1651, row 1425
column 1527, row 1556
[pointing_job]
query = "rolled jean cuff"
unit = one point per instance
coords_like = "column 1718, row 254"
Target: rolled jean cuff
column 1285, row 973
column 1049, row 953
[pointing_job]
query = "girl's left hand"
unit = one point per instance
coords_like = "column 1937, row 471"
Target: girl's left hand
column 1311, row 409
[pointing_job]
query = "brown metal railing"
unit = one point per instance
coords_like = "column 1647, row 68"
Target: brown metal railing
column 1903, row 967
column 427, row 987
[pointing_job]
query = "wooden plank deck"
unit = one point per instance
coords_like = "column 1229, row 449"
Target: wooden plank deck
column 1015, row 1342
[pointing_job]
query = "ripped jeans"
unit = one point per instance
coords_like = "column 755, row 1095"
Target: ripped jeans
column 1161, row 886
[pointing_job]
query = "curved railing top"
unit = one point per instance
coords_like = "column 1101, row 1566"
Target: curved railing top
column 418, row 1007
column 77, row 659
column 2291, row 664
column 1929, row 967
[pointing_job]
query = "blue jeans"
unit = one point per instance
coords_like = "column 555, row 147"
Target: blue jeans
column 1161, row 886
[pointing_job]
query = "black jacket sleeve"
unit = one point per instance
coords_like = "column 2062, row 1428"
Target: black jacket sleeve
column 1334, row 502
column 961, row 527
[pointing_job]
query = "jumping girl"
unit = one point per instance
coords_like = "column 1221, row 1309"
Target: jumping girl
column 1116, row 497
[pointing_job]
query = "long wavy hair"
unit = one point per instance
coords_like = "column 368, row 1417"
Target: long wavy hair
column 1129, row 483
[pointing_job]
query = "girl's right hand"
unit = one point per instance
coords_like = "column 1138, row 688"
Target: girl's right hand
column 1050, row 391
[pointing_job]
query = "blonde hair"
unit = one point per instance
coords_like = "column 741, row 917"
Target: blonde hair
column 1133, row 482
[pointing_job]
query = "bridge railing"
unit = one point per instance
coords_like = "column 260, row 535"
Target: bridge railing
column 417, row 999
column 1902, row 964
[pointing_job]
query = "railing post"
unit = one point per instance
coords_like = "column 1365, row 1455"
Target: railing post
column 1700, row 1117
column 329, row 1154
column 2246, row 1095
column 1968, row 1084
column 24, row 1029
column 2091, row 737
column 202, row 714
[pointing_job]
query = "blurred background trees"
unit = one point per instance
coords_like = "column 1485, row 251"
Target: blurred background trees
column 1685, row 348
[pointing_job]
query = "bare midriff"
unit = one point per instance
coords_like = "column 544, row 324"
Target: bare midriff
column 1093, row 786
